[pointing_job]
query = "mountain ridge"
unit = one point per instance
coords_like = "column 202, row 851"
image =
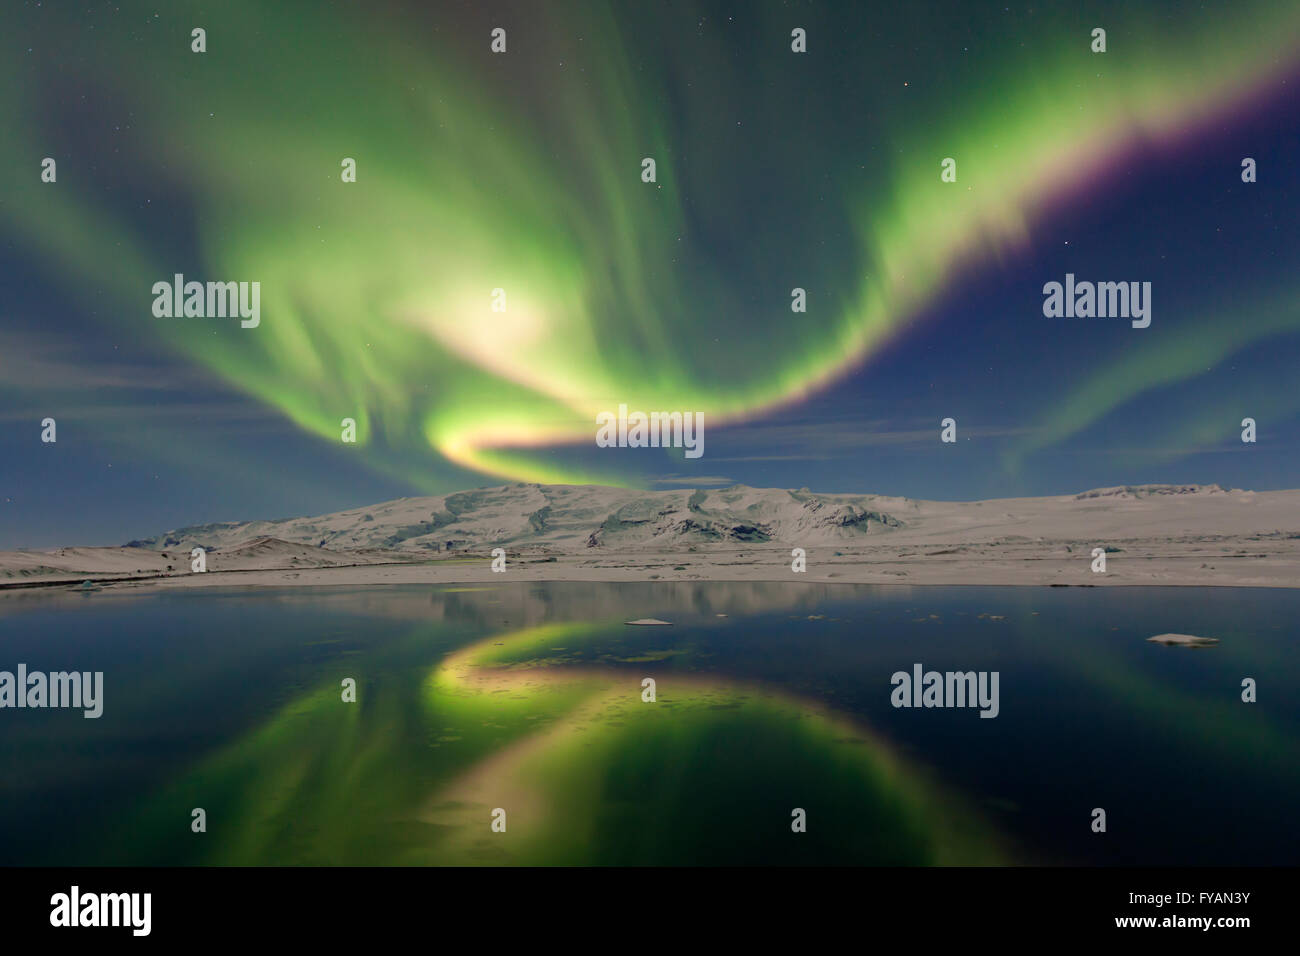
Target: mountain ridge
column 575, row 518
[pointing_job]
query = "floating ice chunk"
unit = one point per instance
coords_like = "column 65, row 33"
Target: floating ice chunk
column 1183, row 640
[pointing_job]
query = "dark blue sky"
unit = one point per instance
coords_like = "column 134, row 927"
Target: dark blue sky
column 148, row 439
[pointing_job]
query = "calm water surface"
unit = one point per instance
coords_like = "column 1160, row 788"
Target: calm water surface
column 770, row 697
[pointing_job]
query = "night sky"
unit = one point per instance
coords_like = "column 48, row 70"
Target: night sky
column 522, row 171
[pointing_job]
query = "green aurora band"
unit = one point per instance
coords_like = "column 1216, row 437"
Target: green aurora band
column 478, row 172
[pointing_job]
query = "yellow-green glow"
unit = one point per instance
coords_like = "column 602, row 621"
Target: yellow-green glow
column 377, row 296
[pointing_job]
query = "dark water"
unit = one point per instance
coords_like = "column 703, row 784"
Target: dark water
column 528, row 698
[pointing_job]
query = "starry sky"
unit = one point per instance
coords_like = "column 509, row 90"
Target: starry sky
column 522, row 171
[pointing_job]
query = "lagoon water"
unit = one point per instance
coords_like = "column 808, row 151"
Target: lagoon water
column 769, row 697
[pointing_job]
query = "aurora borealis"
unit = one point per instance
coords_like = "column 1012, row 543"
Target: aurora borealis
column 521, row 171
